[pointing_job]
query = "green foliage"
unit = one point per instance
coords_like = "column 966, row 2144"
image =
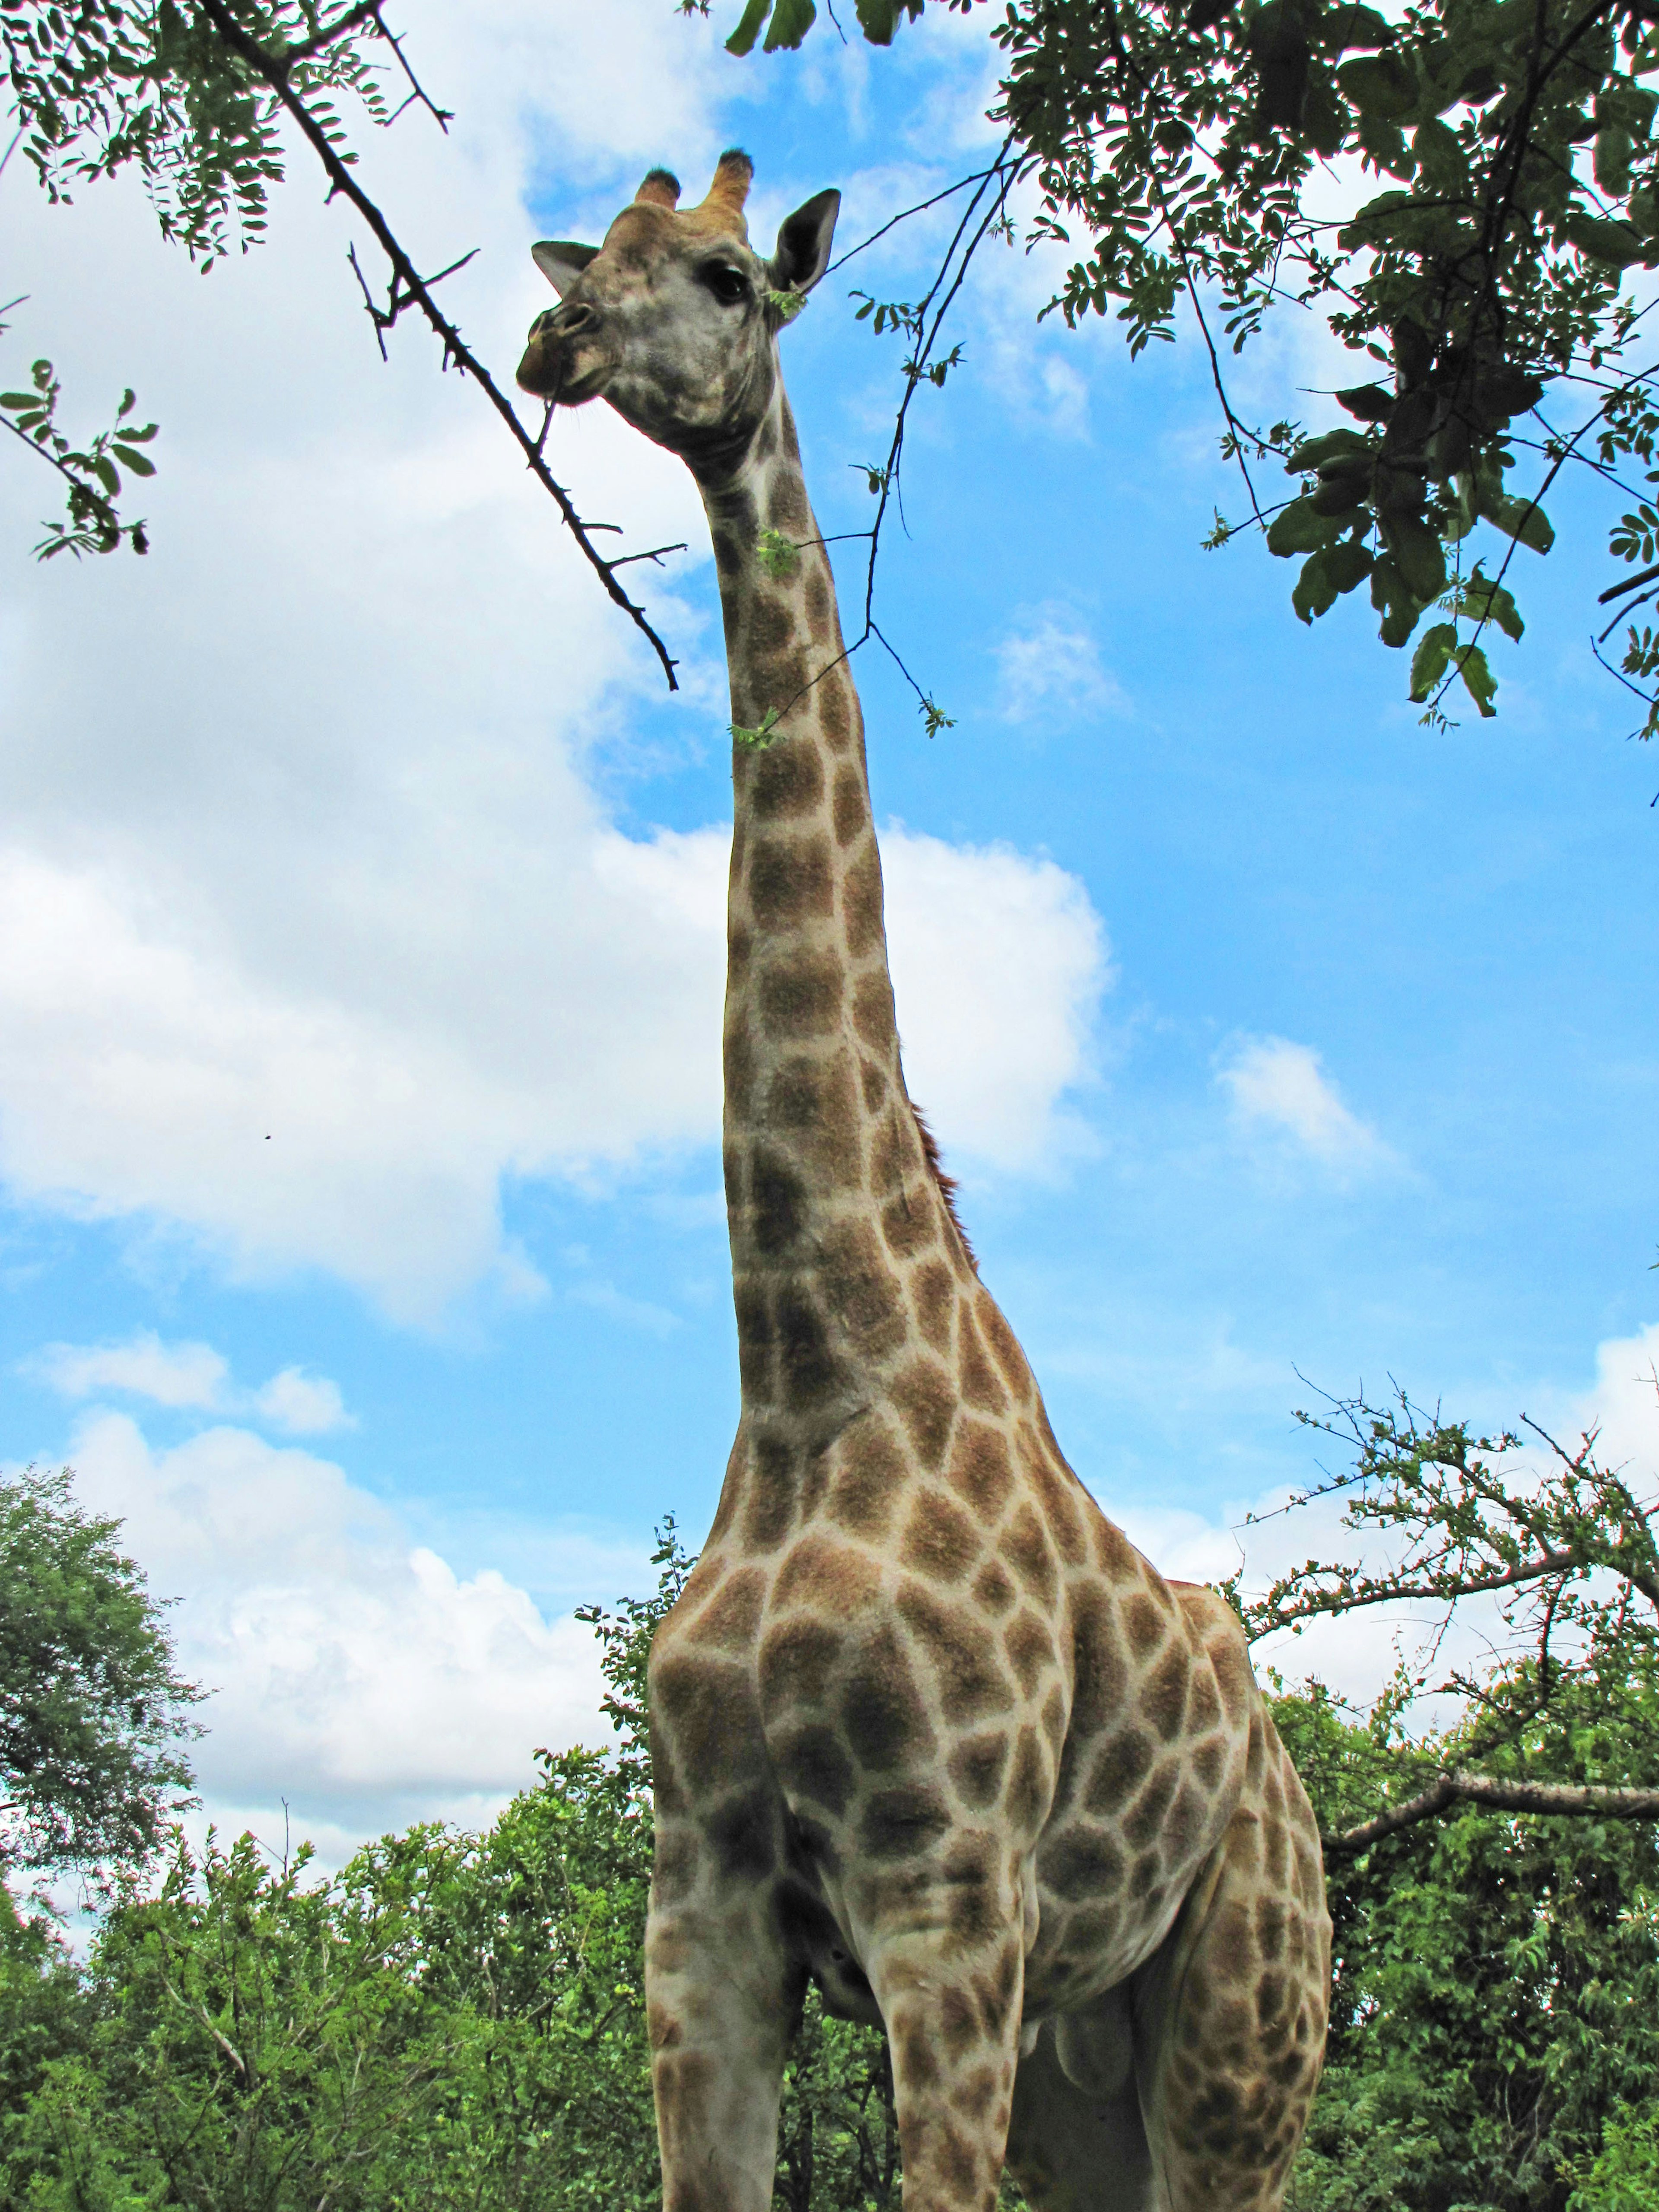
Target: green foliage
column 1504, row 172
column 101, row 85
column 778, row 556
column 94, row 525
column 1495, row 2019
column 92, row 1714
column 764, row 733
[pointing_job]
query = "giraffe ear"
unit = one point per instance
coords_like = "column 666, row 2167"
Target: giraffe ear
column 802, row 253
column 560, row 262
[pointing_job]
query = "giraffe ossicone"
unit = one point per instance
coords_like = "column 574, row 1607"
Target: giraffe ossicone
column 927, row 1730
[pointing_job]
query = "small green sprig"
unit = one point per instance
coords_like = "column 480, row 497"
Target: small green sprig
column 765, row 733
column 93, row 480
column 778, row 556
column 786, row 306
column 935, row 718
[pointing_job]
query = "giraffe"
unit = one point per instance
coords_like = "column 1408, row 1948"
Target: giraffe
column 926, row 1730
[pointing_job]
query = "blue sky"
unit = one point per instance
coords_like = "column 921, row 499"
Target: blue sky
column 360, row 900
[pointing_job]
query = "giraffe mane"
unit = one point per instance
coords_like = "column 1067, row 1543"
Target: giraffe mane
column 947, row 1183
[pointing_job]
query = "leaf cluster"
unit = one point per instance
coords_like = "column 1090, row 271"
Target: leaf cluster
column 95, row 524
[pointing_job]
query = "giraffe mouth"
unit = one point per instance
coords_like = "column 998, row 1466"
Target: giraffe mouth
column 555, row 368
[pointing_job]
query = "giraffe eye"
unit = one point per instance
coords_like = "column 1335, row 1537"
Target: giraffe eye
column 728, row 285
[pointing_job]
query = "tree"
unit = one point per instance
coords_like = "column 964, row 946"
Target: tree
column 93, row 1715
column 1502, row 175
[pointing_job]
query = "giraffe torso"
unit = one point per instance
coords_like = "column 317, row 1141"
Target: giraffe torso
column 917, row 1649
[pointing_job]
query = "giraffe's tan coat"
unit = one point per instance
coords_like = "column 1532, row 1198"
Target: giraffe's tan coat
column 927, row 1729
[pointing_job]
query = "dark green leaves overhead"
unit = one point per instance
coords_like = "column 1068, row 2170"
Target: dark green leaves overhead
column 1492, row 182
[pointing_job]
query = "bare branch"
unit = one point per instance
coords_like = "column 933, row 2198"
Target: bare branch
column 408, row 288
column 1556, row 1797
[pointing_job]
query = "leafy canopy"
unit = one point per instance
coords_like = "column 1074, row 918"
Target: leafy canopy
column 1466, row 190
column 93, row 1715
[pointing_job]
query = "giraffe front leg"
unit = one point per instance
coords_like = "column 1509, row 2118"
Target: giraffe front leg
column 950, row 1987
column 722, row 1997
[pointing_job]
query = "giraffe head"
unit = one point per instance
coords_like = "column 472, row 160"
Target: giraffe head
column 674, row 319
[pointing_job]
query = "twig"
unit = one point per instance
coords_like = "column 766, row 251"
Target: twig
column 409, row 289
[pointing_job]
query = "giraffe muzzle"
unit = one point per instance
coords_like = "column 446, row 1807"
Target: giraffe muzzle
column 563, row 362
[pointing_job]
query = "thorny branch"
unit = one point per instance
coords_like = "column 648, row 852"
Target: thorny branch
column 407, row 289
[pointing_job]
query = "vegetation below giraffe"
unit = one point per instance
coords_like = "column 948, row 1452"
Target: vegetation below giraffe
column 457, row 2019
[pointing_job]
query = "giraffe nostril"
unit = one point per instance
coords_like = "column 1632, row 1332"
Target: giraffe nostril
column 568, row 321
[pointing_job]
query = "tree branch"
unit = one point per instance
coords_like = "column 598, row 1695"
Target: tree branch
column 1558, row 1797
column 409, row 288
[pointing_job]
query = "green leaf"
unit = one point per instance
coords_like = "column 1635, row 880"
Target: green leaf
column 1392, row 598
column 1520, row 519
column 1327, row 574
column 791, row 20
column 879, row 18
column 786, row 306
column 1487, row 600
column 105, row 472
column 140, row 463
column 1330, row 445
column 1477, row 679
column 1419, row 552
column 1616, row 243
column 764, row 733
column 20, row 399
column 1382, row 85
column 743, row 38
column 778, row 556
column 1300, row 528
column 1430, row 659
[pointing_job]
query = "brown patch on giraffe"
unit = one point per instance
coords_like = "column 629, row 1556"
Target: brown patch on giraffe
column 871, row 1472
column 738, row 1069
column 925, row 1403
column 730, row 1621
column 994, row 1588
column 813, row 1764
column 1005, row 1345
column 1144, row 1624
column 860, row 1288
column 1164, row 1694
column 940, row 1542
column 1024, row 1545
column 849, row 808
column 982, row 1385
column 1233, row 1677
column 933, row 1300
column 1053, row 1717
column 1060, row 1510
column 874, row 1080
column 981, row 1470
column 972, row 1685
column 1025, row 1800
column 1117, row 1557
column 820, row 604
column 789, row 882
column 1085, row 1863
column 674, row 1857
column 1183, row 1830
column 861, row 902
column 1031, row 1650
column 916, row 2063
column 1207, row 1760
column 873, row 1011
column 1118, row 1771
column 1204, row 1705
column 743, row 1833
column 802, row 997
column 771, row 625
column 834, row 1579
column 1100, row 1674
column 807, row 1370
column 977, row 1768
column 909, row 1225
column 1145, row 1817
column 701, row 1706
column 958, row 2024
column 777, row 1203
column 881, row 1710
column 797, row 1661
column 904, row 1822
column 837, row 709
column 785, row 781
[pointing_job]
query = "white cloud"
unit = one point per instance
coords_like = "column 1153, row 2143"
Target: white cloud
column 181, row 1375
column 189, row 1377
column 1282, row 1089
column 1049, row 664
column 353, row 1672
column 313, row 924
column 304, row 1405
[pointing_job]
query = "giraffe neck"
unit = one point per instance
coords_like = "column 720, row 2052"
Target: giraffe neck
column 827, row 1185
